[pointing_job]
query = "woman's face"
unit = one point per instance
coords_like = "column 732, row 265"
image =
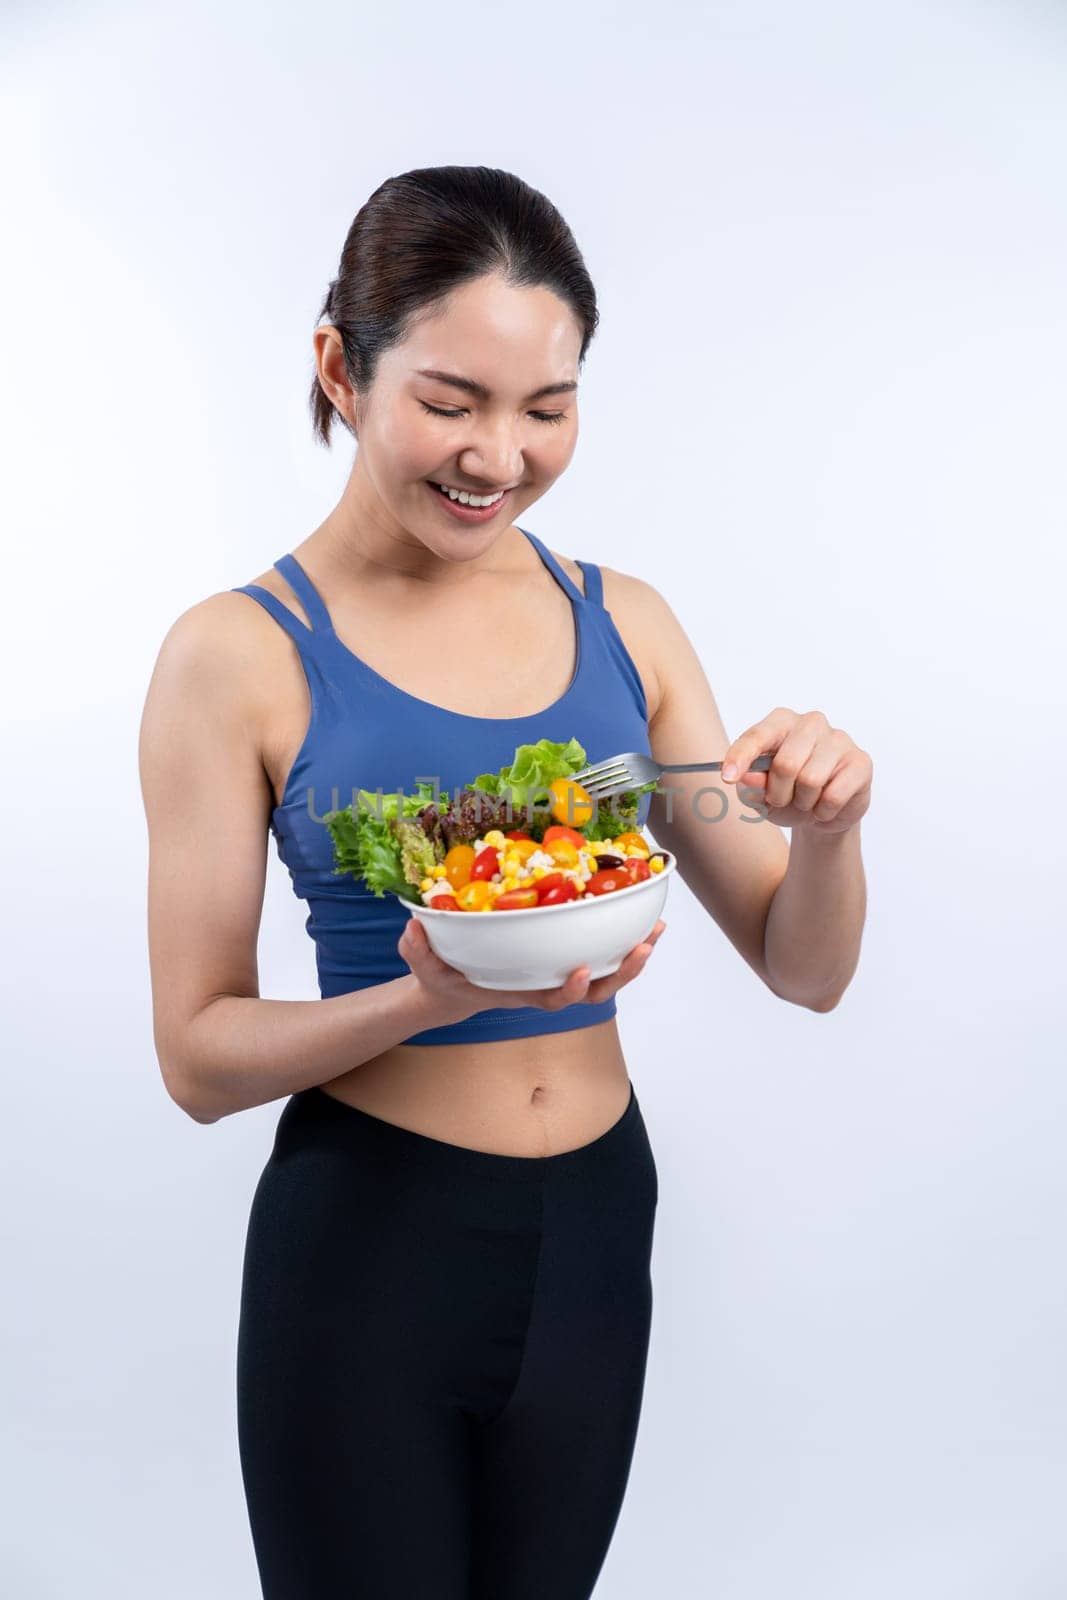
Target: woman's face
column 503, row 432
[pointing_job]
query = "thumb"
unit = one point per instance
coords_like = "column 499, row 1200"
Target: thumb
column 414, row 944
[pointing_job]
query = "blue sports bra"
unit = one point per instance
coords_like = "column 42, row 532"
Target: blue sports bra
column 366, row 733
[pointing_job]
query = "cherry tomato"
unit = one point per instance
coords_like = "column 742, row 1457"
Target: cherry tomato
column 518, row 833
column 515, row 900
column 444, row 902
column 632, row 841
column 551, row 880
column 523, row 848
column 563, row 851
column 473, row 896
column 636, row 869
column 567, row 890
column 458, row 863
column 570, row 802
column 486, row 862
column 608, row 880
column 558, row 831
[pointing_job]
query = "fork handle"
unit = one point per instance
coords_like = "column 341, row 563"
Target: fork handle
column 761, row 764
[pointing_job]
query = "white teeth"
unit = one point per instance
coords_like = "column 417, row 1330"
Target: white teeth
column 466, row 499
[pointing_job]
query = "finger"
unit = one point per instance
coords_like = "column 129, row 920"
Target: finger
column 648, row 943
column 415, row 947
column 792, row 755
column 842, row 786
column 763, row 738
column 822, row 766
column 807, row 758
column 574, row 988
column 628, row 969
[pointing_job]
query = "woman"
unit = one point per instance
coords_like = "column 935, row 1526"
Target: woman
column 446, row 1298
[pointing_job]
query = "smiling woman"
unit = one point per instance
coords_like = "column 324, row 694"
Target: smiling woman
column 499, row 446
column 442, row 1395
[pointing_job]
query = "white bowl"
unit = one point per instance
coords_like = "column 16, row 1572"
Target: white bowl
column 539, row 948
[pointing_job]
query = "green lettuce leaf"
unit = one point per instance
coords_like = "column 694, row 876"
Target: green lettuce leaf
column 535, row 766
column 374, row 840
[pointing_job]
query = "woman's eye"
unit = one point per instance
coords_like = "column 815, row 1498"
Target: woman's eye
column 437, row 412
column 542, row 416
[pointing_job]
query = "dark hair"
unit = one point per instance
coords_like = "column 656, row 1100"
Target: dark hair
column 420, row 236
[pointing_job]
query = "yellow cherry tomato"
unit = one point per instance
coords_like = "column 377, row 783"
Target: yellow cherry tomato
column 458, row 863
column 562, row 852
column 632, row 841
column 570, row 802
column 559, row 830
column 523, row 848
column 473, row 896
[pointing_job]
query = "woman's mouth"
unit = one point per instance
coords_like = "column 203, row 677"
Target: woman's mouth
column 468, row 513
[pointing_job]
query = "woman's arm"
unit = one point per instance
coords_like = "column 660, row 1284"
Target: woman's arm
column 208, row 802
column 731, row 859
column 815, row 924
column 794, row 911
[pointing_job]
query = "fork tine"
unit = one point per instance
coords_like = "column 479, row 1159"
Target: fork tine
column 606, row 769
column 611, row 779
column 600, row 771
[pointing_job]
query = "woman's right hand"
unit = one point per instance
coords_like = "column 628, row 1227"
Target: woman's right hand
column 453, row 991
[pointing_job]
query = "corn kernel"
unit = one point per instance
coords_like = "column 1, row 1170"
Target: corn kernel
column 537, row 872
column 656, row 865
column 511, row 862
column 426, row 883
column 496, row 838
column 510, row 883
column 439, row 870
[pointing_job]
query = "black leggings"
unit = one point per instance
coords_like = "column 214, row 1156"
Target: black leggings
column 441, row 1358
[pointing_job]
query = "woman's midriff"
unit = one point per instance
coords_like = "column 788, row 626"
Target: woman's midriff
column 535, row 1096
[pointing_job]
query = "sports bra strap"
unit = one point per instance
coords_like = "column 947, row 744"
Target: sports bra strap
column 297, row 630
column 566, row 583
column 311, row 600
column 305, row 591
column 594, row 582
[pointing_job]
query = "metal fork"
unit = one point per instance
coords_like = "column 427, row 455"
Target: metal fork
column 632, row 770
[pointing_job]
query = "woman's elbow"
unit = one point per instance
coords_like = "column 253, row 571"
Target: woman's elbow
column 820, row 1003
column 181, row 1085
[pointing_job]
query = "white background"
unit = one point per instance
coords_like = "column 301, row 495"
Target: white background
column 824, row 414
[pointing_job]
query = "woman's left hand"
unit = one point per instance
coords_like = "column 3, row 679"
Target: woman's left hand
column 818, row 778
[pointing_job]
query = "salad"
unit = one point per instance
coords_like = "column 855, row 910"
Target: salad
column 512, row 840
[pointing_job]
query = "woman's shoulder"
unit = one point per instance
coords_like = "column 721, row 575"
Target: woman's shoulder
column 644, row 615
column 212, row 653
column 214, row 632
